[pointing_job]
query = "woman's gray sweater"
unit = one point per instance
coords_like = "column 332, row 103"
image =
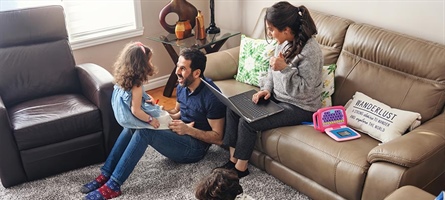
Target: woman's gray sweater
column 300, row 82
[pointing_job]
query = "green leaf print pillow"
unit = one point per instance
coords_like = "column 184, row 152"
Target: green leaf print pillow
column 327, row 84
column 254, row 59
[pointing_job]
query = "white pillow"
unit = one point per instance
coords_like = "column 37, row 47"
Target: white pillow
column 378, row 120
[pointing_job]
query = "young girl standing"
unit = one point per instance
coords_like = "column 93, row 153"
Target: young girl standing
column 134, row 110
column 293, row 81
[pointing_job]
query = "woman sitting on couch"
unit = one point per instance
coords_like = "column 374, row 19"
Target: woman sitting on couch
column 293, row 81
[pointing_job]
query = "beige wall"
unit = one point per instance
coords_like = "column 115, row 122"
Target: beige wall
column 424, row 19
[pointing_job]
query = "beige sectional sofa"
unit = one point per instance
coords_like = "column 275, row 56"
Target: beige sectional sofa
column 399, row 70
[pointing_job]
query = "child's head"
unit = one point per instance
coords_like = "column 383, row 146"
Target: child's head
column 133, row 65
column 221, row 184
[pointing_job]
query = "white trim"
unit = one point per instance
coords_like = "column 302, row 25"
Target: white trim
column 156, row 82
column 138, row 13
column 111, row 38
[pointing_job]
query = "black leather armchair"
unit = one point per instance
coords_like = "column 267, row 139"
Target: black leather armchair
column 54, row 116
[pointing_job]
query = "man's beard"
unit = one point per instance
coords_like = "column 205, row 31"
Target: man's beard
column 188, row 81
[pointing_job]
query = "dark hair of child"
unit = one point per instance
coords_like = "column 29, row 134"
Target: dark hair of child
column 221, row 184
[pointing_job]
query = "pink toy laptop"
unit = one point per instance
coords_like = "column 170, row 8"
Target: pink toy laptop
column 332, row 120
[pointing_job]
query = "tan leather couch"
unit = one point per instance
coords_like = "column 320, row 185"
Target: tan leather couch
column 401, row 71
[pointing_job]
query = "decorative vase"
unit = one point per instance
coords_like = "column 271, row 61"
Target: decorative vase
column 200, row 32
column 183, row 29
column 184, row 10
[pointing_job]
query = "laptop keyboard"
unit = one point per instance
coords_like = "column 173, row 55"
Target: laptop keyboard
column 245, row 103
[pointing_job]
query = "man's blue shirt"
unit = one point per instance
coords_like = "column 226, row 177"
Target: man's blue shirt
column 200, row 105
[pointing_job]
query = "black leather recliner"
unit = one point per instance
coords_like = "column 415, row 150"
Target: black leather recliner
column 55, row 115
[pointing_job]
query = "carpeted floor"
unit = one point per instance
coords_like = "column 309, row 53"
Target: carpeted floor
column 155, row 177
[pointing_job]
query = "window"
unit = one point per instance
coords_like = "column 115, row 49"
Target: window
column 93, row 22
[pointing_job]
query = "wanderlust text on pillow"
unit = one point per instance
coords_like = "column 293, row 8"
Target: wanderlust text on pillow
column 377, row 119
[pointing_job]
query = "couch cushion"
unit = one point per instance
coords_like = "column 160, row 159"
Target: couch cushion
column 222, row 64
column 331, row 32
column 398, row 70
column 339, row 166
column 53, row 119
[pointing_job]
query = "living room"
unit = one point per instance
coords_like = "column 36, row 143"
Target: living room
column 404, row 17
column 422, row 19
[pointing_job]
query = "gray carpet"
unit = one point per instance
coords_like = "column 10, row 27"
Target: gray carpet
column 155, row 177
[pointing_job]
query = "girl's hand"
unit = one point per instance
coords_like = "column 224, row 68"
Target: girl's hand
column 180, row 127
column 155, row 123
column 260, row 94
column 151, row 100
column 277, row 63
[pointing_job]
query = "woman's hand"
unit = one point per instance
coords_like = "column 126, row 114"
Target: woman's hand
column 260, row 94
column 277, row 63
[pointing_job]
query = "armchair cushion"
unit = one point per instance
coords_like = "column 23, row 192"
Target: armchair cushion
column 38, row 70
column 56, row 118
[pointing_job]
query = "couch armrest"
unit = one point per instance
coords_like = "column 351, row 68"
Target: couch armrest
column 97, row 86
column 222, row 65
column 11, row 170
column 413, row 147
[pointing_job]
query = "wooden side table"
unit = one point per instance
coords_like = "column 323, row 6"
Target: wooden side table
column 212, row 43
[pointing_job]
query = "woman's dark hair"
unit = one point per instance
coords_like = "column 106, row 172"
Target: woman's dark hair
column 132, row 67
column 197, row 57
column 221, row 184
column 298, row 19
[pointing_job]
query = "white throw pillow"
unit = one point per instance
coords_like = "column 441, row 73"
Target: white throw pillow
column 378, row 120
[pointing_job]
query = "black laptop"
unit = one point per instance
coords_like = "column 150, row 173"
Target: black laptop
column 242, row 104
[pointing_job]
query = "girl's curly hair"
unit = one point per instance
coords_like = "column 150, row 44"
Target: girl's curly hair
column 133, row 67
column 221, row 184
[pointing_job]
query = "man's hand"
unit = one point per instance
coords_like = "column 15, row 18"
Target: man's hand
column 180, row 127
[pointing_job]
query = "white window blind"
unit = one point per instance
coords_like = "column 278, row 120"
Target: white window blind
column 93, row 22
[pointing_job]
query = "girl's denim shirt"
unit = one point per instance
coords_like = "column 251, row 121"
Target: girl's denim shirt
column 121, row 103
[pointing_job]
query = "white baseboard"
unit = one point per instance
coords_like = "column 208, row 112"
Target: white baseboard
column 156, row 82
